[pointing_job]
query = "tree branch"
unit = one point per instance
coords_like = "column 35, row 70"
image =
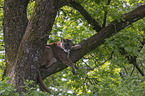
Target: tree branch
column 110, row 30
column 105, row 14
column 98, row 39
column 86, row 15
column 125, row 69
column 137, row 67
column 132, row 71
column 132, row 60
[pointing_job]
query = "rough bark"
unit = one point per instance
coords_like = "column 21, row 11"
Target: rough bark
column 33, row 42
column 14, row 24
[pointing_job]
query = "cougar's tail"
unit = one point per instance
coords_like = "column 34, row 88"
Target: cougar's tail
column 40, row 81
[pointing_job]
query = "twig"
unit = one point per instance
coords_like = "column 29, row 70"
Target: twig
column 105, row 14
column 132, row 60
column 132, row 71
column 137, row 67
column 125, row 69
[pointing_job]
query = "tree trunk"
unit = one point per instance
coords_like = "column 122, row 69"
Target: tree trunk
column 15, row 23
column 25, row 42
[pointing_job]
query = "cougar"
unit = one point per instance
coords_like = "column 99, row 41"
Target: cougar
column 57, row 51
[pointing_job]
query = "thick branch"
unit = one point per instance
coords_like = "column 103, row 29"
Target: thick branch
column 98, row 39
column 87, row 16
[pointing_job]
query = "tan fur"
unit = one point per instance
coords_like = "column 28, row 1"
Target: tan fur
column 62, row 56
column 57, row 51
column 47, row 58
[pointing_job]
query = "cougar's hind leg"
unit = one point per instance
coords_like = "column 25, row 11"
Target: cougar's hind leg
column 51, row 61
column 46, row 56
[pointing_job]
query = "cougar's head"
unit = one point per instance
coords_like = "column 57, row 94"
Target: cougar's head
column 66, row 44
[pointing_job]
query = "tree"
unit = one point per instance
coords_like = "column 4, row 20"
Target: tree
column 25, row 39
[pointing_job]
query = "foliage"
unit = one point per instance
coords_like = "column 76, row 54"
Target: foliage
column 1, row 39
column 104, row 71
column 7, row 89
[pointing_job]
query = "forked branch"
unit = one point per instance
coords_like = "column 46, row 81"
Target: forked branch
column 86, row 15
